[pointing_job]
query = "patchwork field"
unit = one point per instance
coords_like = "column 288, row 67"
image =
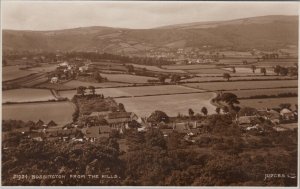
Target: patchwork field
column 59, row 112
column 236, row 85
column 14, row 72
column 76, row 83
column 136, row 91
column 157, row 69
column 171, row 104
column 26, row 95
column 189, row 67
column 126, row 78
column 44, row 68
column 236, row 78
column 268, row 102
column 208, row 71
column 248, row 93
column 245, row 70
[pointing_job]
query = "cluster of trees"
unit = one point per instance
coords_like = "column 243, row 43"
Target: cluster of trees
column 292, row 71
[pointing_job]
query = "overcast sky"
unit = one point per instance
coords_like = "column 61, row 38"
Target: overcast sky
column 36, row 15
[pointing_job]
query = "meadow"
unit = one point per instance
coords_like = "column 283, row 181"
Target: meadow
column 249, row 93
column 238, row 85
column 26, row 95
column 14, row 72
column 136, row 91
column 269, row 102
column 126, row 78
column 76, row 83
column 59, row 112
column 157, row 69
column 208, row 71
column 171, row 104
column 235, row 78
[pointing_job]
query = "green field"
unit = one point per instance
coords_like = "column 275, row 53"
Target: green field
column 171, row 104
column 157, row 69
column 60, row 112
column 76, row 83
column 236, row 85
column 136, row 91
column 235, row 78
column 268, row 102
column 248, row 93
column 14, row 72
column 189, row 67
column 44, row 68
column 26, row 95
column 126, row 78
column 208, row 71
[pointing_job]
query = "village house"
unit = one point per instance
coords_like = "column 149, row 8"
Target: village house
column 287, row 114
column 54, row 80
column 96, row 132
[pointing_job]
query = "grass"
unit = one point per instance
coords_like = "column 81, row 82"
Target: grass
column 268, row 102
column 234, row 78
column 248, row 93
column 136, row 91
column 157, row 69
column 236, row 85
column 189, row 67
column 208, row 71
column 126, row 78
column 59, row 112
column 26, row 95
column 171, row 104
column 76, row 83
column 14, row 72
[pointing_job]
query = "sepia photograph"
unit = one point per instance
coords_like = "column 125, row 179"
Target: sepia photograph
column 149, row 93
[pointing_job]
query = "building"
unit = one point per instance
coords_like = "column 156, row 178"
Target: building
column 96, row 132
column 119, row 120
column 54, row 80
column 287, row 114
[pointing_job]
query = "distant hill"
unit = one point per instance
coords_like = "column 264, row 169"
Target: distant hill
column 266, row 32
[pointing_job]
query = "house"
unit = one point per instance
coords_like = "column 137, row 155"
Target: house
column 246, row 121
column 181, row 128
column 96, row 132
column 119, row 120
column 167, row 132
column 39, row 123
column 51, row 124
column 271, row 115
column 287, row 114
column 63, row 64
column 54, row 80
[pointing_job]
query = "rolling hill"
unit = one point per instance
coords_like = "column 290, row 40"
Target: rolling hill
column 264, row 33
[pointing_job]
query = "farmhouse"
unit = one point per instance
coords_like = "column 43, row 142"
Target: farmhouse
column 96, row 132
column 287, row 114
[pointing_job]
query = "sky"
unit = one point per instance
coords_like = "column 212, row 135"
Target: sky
column 53, row 15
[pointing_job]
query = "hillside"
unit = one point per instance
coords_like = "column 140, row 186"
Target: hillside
column 267, row 32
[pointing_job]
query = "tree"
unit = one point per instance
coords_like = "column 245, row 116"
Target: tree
column 233, row 69
column 225, row 109
column 92, row 89
column 283, row 71
column 285, row 105
column 204, row 110
column 81, row 90
column 97, row 76
column 191, row 113
column 263, row 71
column 229, row 98
column 253, row 68
column 175, row 78
column 277, row 69
column 226, row 76
column 121, row 107
column 218, row 110
column 158, row 116
column 162, row 78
